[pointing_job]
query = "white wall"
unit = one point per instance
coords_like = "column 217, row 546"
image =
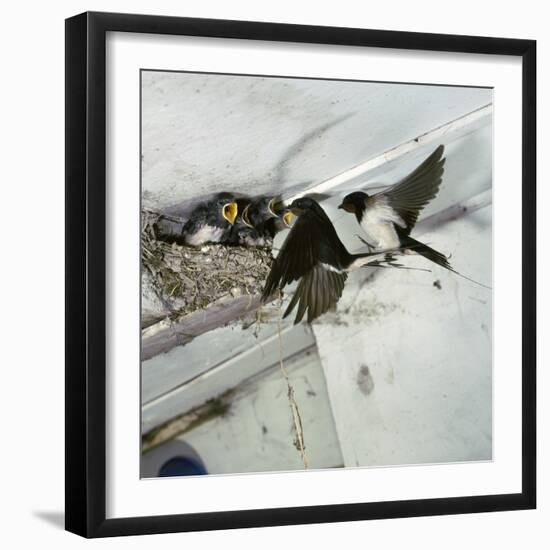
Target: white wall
column 428, row 355
column 32, row 410
column 257, row 434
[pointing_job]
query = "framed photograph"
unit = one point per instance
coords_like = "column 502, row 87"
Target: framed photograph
column 300, row 274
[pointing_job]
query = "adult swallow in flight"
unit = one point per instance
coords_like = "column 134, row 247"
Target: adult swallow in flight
column 389, row 216
column 314, row 255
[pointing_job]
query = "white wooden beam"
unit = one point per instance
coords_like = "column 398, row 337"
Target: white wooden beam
column 454, row 212
column 466, row 122
column 166, row 334
column 225, row 376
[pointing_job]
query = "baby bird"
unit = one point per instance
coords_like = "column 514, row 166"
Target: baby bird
column 260, row 220
column 263, row 233
column 261, row 209
column 211, row 221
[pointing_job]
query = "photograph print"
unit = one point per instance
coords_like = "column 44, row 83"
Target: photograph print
column 316, row 273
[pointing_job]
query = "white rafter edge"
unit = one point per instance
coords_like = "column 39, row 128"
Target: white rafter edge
column 226, row 375
column 395, row 152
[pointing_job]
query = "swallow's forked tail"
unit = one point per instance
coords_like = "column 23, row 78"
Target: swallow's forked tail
column 434, row 256
column 380, row 258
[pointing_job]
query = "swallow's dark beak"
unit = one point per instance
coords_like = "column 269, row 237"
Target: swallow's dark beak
column 341, row 206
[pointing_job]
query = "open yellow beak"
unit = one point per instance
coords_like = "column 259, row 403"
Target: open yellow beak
column 245, row 217
column 230, row 211
column 271, row 205
column 287, row 218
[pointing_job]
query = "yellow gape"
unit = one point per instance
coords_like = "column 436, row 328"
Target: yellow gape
column 271, row 206
column 229, row 212
column 287, row 218
column 245, row 217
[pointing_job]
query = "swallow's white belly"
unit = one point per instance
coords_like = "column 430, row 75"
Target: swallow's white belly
column 378, row 224
column 205, row 234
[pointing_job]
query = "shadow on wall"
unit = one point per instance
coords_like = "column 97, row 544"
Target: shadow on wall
column 293, row 152
column 56, row 519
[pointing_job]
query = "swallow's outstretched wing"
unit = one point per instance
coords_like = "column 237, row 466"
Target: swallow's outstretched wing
column 317, row 292
column 309, row 254
column 409, row 196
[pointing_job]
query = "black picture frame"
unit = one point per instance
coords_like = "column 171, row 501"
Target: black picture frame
column 86, row 284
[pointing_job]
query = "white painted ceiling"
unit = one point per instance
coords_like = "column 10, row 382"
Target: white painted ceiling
column 204, row 133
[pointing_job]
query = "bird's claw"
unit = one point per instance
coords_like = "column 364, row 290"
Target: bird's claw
column 369, row 246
